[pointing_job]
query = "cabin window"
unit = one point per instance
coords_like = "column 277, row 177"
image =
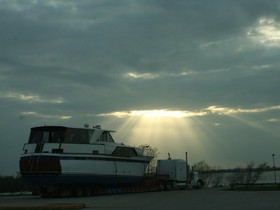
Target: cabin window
column 106, row 137
column 124, row 152
column 191, row 176
column 60, row 135
column 77, row 136
column 35, row 136
column 48, row 136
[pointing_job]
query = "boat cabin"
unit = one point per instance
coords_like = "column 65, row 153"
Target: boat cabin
column 61, row 134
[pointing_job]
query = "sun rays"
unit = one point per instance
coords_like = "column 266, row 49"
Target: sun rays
column 195, row 131
column 170, row 131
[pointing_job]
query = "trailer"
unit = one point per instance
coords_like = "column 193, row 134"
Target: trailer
column 171, row 174
column 59, row 161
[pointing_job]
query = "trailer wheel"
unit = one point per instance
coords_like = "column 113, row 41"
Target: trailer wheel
column 161, row 186
column 169, row 186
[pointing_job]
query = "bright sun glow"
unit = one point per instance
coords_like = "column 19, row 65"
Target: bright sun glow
column 158, row 113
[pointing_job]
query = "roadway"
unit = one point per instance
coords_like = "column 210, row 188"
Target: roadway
column 170, row 200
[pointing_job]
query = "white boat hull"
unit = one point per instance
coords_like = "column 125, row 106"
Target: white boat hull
column 65, row 169
column 58, row 155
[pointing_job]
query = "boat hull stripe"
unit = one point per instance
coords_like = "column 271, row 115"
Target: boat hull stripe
column 86, row 158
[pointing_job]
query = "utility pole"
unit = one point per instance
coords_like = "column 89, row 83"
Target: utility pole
column 274, row 167
column 187, row 170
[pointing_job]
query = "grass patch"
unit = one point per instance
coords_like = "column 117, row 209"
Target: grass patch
column 255, row 187
column 46, row 207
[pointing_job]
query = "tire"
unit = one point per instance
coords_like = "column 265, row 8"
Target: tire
column 169, row 186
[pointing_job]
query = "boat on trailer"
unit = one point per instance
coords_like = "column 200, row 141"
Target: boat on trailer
column 58, row 155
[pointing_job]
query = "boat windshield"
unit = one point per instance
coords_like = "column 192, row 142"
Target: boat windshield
column 60, row 135
column 105, row 137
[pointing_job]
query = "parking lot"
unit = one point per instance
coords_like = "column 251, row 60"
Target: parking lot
column 181, row 199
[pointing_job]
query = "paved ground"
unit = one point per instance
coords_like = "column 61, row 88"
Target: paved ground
column 182, row 199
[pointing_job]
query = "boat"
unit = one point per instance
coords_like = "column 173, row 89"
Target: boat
column 59, row 155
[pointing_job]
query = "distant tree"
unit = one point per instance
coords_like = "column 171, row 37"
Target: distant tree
column 217, row 177
column 249, row 172
column 201, row 166
column 152, row 152
column 259, row 171
column 248, row 175
column 237, row 176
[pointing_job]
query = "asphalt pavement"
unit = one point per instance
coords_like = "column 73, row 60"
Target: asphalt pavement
column 169, row 200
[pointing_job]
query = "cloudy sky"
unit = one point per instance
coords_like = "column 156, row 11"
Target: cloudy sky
column 195, row 76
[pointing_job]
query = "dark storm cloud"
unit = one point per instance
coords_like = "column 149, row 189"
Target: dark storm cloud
column 64, row 60
column 60, row 44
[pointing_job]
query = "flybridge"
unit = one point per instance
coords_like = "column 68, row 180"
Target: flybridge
column 60, row 134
